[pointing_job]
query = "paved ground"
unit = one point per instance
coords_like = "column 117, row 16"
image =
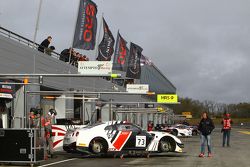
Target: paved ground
column 236, row 155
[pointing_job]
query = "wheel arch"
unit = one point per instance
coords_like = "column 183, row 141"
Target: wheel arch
column 169, row 139
column 100, row 139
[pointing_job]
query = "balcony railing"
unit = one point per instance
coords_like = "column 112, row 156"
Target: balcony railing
column 23, row 40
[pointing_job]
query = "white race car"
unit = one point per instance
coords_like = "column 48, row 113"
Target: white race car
column 180, row 130
column 119, row 136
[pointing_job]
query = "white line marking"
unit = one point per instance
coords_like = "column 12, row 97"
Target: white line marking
column 58, row 162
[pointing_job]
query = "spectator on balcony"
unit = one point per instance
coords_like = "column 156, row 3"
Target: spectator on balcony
column 81, row 58
column 76, row 59
column 45, row 44
column 49, row 50
column 73, row 57
column 65, row 54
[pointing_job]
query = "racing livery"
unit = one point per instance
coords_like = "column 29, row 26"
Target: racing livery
column 119, row 136
column 180, row 130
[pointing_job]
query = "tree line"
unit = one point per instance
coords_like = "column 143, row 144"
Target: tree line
column 196, row 107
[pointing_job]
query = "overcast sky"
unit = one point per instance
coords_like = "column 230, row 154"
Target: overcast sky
column 202, row 46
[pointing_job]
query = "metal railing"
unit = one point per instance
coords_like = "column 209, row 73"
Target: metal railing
column 23, row 40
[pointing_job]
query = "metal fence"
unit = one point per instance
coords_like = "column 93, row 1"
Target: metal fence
column 23, row 40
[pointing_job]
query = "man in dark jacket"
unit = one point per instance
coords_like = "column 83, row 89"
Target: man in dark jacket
column 65, row 54
column 45, row 44
column 205, row 127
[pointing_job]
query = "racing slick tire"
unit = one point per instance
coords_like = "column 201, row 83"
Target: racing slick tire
column 98, row 146
column 175, row 132
column 194, row 133
column 167, row 144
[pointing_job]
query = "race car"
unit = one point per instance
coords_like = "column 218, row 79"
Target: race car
column 180, row 130
column 120, row 136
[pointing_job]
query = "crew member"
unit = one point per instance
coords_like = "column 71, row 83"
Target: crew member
column 150, row 126
column 226, row 129
column 47, row 123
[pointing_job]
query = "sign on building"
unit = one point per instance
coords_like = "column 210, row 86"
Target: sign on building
column 167, row 98
column 6, row 91
column 95, row 67
column 137, row 88
column 187, row 114
column 149, row 105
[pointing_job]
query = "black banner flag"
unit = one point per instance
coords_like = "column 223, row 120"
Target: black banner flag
column 121, row 54
column 106, row 47
column 134, row 63
column 85, row 32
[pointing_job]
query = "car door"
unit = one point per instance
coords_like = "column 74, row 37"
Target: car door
column 138, row 140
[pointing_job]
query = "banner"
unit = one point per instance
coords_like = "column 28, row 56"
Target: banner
column 121, row 54
column 134, row 65
column 95, row 67
column 86, row 25
column 137, row 88
column 167, row 98
column 106, row 47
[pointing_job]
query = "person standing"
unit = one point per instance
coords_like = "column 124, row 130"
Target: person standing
column 150, row 126
column 44, row 44
column 205, row 127
column 226, row 129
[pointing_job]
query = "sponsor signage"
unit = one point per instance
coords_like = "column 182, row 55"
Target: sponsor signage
column 6, row 91
column 86, row 25
column 186, row 113
column 149, row 106
column 95, row 67
column 137, row 88
column 167, row 98
column 106, row 47
column 189, row 116
column 134, row 64
column 121, row 54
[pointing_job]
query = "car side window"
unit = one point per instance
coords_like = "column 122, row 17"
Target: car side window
column 135, row 128
column 124, row 127
column 110, row 127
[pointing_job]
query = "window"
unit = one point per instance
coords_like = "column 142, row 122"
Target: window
column 110, row 127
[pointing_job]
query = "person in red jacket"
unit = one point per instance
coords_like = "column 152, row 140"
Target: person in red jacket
column 226, row 129
column 150, row 126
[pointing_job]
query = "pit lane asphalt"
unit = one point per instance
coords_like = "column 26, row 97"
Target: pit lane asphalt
column 238, row 155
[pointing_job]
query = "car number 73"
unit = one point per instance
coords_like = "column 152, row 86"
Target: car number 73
column 140, row 141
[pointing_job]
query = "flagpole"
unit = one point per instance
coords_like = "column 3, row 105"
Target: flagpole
column 35, row 33
column 72, row 41
column 98, row 37
column 71, row 47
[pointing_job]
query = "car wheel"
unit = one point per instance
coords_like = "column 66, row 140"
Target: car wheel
column 98, row 146
column 167, row 145
column 194, row 133
column 175, row 132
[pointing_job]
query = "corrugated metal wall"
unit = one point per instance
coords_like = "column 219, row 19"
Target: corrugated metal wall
column 157, row 81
